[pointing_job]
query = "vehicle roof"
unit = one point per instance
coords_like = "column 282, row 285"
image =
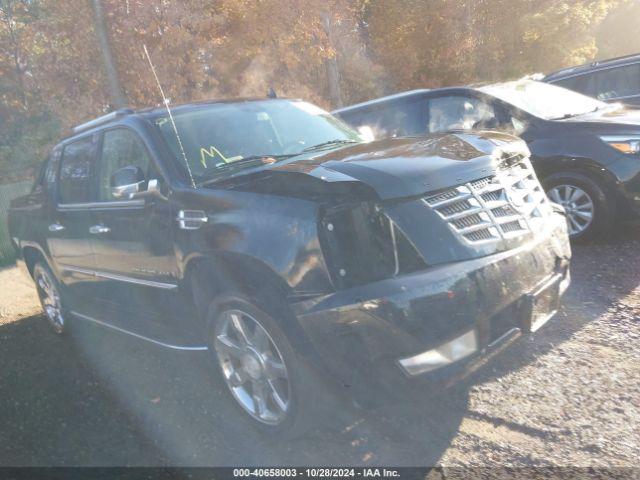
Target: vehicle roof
column 381, row 100
column 152, row 111
column 587, row 67
column 186, row 106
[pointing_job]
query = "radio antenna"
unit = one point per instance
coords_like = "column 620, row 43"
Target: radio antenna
column 173, row 123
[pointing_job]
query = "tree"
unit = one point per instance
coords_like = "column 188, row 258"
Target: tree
column 115, row 89
column 63, row 62
column 15, row 16
column 612, row 36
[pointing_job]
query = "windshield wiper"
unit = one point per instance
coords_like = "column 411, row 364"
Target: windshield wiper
column 567, row 115
column 252, row 160
column 337, row 141
column 571, row 115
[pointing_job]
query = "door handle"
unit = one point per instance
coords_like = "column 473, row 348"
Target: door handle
column 56, row 227
column 98, row 229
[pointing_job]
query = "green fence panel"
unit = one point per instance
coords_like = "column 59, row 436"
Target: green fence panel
column 7, row 193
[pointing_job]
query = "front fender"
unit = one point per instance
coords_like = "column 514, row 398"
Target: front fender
column 280, row 234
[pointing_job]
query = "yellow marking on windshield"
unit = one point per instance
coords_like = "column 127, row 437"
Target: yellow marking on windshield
column 212, row 152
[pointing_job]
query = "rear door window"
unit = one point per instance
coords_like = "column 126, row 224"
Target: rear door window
column 580, row 83
column 75, row 171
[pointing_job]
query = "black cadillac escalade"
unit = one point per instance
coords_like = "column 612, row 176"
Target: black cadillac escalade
column 269, row 234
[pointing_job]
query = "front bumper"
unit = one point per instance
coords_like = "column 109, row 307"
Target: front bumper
column 362, row 333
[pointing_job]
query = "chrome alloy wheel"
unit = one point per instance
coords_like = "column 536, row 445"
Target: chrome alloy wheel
column 252, row 367
column 50, row 299
column 577, row 204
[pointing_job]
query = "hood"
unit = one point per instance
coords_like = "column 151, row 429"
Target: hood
column 624, row 117
column 403, row 167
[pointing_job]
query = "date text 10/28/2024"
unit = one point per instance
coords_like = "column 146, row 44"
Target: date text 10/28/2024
column 317, row 472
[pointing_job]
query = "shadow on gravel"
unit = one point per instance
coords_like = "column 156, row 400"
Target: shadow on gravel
column 54, row 410
column 176, row 401
column 96, row 397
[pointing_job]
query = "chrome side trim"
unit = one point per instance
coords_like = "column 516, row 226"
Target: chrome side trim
column 102, row 205
column 119, row 278
column 137, row 335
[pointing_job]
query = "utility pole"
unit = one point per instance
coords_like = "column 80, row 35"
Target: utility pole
column 116, row 94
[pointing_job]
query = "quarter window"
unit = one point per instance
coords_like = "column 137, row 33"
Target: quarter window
column 75, row 171
column 579, row 83
column 121, row 148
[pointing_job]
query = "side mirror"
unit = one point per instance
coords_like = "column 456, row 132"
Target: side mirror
column 127, row 181
column 153, row 190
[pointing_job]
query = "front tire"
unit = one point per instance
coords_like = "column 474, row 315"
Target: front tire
column 590, row 210
column 50, row 298
column 266, row 379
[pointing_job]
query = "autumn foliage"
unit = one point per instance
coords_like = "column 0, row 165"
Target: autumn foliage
column 331, row 52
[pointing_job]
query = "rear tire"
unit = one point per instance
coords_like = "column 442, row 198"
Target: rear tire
column 268, row 382
column 590, row 209
column 50, row 296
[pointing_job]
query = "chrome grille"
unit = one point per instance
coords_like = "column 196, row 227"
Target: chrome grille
column 508, row 204
column 478, row 235
column 456, row 207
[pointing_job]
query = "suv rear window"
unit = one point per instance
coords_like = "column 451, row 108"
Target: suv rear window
column 75, row 171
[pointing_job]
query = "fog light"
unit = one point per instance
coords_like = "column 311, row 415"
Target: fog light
column 445, row 354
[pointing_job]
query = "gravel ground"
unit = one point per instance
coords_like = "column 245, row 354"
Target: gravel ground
column 565, row 396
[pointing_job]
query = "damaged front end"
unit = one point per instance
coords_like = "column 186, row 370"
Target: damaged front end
column 499, row 211
column 428, row 284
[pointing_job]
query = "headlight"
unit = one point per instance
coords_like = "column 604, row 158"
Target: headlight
column 362, row 245
column 624, row 144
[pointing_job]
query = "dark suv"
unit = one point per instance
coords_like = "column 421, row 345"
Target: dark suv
column 267, row 233
column 613, row 80
column 586, row 152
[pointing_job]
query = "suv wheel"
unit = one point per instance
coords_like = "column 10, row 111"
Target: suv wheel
column 265, row 377
column 588, row 209
column 50, row 298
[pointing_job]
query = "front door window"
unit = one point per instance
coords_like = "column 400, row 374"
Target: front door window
column 460, row 113
column 120, row 148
